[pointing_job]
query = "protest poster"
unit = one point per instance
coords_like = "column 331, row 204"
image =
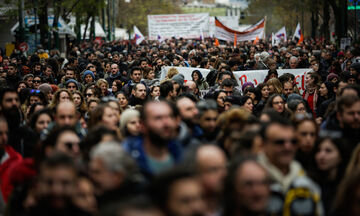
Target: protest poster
column 254, row 76
column 188, row 26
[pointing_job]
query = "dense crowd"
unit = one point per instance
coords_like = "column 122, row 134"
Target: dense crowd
column 98, row 132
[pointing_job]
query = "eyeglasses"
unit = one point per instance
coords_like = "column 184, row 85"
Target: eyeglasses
column 281, row 142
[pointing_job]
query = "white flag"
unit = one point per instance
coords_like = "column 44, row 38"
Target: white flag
column 138, row 36
column 281, row 34
column 273, row 39
column 297, row 33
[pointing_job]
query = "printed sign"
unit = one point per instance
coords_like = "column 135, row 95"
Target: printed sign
column 178, row 25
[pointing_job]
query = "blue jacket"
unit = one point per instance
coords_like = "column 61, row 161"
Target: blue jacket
column 134, row 146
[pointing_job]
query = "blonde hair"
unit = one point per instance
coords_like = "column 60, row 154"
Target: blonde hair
column 100, row 81
column 171, row 72
column 277, row 85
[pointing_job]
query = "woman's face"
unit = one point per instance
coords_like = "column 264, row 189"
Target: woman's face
column 133, row 126
column 249, row 105
column 300, row 109
column 110, row 119
column 220, row 99
column 122, row 100
column 328, row 157
column 272, row 76
column 115, row 107
column 195, row 77
column 42, row 122
column 155, row 92
column 34, row 99
column 306, row 135
column 21, row 86
column 77, row 99
column 64, row 96
column 92, row 106
column 323, row 90
column 114, row 87
column 89, row 93
column 271, row 89
column 68, row 143
column 151, row 75
column 37, row 82
column 103, row 87
column 278, row 104
column 88, row 78
column 251, row 94
column 265, row 91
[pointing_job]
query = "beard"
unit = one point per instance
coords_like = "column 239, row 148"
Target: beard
column 190, row 123
column 13, row 117
column 158, row 139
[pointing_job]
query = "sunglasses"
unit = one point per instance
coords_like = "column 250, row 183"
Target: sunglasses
column 88, row 95
column 36, row 81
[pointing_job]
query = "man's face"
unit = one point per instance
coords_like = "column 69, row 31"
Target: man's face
column 229, row 90
column 208, row 121
column 251, row 188
column 104, row 179
column 293, row 63
column 224, row 77
column 186, row 198
column 37, row 68
column 187, row 109
column 136, row 76
column 114, row 69
column 288, row 88
column 160, row 121
column 191, row 86
column 280, row 145
column 11, row 71
column 140, row 91
column 211, row 163
column 69, row 74
column 71, row 87
column 10, row 100
column 57, row 185
column 350, row 117
column 66, row 115
column 116, row 58
column 143, row 64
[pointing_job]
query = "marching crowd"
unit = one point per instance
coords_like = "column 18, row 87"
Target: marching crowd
column 101, row 132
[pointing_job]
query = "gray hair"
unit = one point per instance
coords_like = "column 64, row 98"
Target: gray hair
column 293, row 57
column 205, row 105
column 115, row 159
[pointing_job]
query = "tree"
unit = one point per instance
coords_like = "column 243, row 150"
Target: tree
column 135, row 13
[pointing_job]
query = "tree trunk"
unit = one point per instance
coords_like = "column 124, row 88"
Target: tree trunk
column 325, row 26
column 43, row 22
column 86, row 26
column 57, row 10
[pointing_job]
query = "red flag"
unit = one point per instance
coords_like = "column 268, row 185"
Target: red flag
column 301, row 39
column 256, row 40
column 235, row 39
column 217, row 42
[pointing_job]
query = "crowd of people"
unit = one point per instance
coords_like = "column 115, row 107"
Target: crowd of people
column 98, row 132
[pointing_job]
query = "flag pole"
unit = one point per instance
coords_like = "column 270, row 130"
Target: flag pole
column 264, row 36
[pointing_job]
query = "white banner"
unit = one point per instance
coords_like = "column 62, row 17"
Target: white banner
column 254, row 76
column 223, row 32
column 177, row 25
column 258, row 76
column 186, row 71
column 229, row 21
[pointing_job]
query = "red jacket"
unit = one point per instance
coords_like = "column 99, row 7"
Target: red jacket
column 5, row 183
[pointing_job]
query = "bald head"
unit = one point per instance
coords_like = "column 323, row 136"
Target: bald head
column 191, row 85
column 211, row 162
column 66, row 114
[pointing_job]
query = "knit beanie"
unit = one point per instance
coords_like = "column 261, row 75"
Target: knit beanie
column 88, row 72
column 332, row 76
column 179, row 79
